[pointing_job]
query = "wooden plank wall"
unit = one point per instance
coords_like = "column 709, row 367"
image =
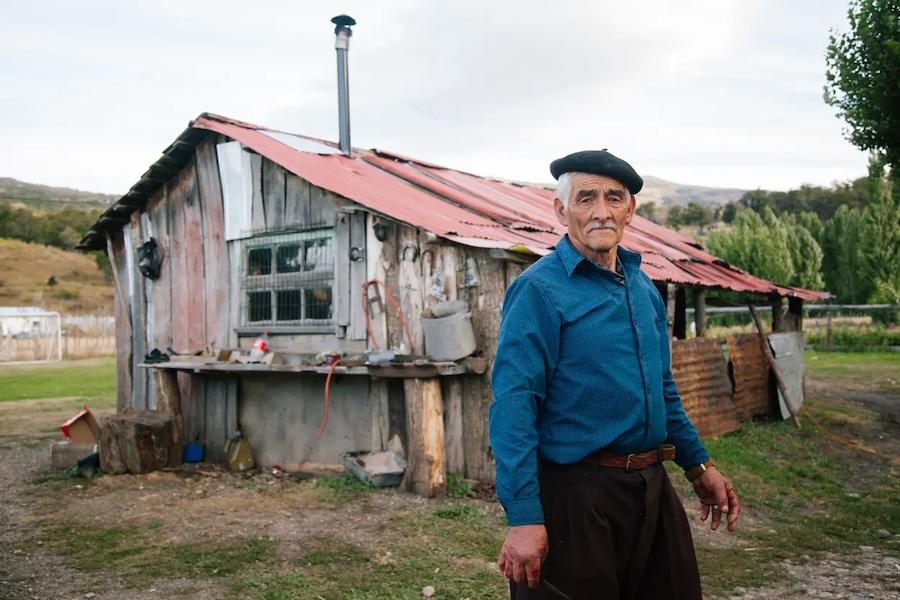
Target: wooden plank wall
column 422, row 271
column 138, row 316
column 123, row 324
column 216, row 262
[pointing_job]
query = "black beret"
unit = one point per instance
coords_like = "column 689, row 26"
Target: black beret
column 598, row 162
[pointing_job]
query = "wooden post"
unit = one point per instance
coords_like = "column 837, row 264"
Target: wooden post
column 794, row 319
column 426, row 470
column 779, row 380
column 777, row 314
column 700, row 311
column 120, row 291
column 670, row 309
column 679, row 327
column 453, row 425
column 169, row 402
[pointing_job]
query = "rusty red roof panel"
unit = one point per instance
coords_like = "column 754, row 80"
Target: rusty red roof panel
column 472, row 210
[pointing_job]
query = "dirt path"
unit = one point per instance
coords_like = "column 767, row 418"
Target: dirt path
column 217, row 507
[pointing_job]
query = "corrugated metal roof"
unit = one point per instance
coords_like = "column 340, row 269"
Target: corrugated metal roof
column 462, row 207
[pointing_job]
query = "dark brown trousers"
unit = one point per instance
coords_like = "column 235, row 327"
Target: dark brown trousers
column 614, row 534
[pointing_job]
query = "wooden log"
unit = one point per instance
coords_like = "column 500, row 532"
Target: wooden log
column 453, row 424
column 136, row 442
column 700, row 312
column 169, row 402
column 679, row 326
column 426, row 471
column 777, row 314
column 779, row 380
column 670, row 311
column 794, row 319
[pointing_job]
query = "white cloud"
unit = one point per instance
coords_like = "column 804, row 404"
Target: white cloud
column 716, row 93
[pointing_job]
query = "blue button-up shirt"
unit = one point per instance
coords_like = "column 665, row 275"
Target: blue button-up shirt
column 582, row 364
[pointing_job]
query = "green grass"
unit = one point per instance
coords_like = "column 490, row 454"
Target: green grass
column 870, row 369
column 84, row 378
column 337, row 489
column 448, row 547
column 131, row 554
column 808, row 493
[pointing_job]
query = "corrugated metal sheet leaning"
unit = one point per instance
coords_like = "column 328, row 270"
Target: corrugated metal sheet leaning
column 461, row 207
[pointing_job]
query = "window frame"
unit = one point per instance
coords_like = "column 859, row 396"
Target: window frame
column 301, row 280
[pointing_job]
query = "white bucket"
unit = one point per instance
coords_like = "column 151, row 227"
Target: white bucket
column 450, row 337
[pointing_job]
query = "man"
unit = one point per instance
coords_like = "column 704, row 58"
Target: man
column 585, row 410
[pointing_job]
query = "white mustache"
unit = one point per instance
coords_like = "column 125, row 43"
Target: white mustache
column 595, row 225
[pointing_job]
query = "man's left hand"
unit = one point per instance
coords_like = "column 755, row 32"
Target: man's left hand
column 717, row 496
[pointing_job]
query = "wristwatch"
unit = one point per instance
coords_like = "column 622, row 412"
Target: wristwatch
column 695, row 472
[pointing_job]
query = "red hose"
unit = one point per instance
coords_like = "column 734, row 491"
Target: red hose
column 327, row 402
column 395, row 304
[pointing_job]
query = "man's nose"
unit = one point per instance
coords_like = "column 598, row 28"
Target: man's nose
column 601, row 210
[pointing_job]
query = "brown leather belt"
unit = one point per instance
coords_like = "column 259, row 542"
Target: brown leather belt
column 635, row 461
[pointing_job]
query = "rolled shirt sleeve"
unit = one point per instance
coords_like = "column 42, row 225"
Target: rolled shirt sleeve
column 527, row 352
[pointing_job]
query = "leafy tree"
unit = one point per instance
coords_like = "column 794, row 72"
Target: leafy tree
column 751, row 246
column 729, row 212
column 844, row 266
column 881, row 222
column 806, row 254
column 863, row 68
column 697, row 214
column 673, row 218
column 810, row 221
column 778, row 250
column 647, row 210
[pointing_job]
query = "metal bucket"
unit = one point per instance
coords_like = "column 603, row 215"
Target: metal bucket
column 450, row 337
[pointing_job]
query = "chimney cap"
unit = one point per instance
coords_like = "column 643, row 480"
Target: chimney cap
column 342, row 21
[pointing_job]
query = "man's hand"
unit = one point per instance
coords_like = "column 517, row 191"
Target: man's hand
column 523, row 552
column 717, row 496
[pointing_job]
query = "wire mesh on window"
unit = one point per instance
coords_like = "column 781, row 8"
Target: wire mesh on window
column 287, row 278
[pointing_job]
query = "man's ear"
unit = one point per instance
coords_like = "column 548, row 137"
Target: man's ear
column 560, row 212
column 632, row 205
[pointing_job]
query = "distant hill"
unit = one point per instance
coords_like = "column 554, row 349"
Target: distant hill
column 667, row 193
column 80, row 287
column 44, row 197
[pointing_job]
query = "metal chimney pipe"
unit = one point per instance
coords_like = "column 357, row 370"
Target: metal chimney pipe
column 342, row 33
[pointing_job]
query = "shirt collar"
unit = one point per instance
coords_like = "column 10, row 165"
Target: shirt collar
column 571, row 257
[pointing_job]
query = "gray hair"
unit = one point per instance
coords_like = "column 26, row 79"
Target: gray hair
column 564, row 188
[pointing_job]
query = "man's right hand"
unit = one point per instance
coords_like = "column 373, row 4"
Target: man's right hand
column 523, row 552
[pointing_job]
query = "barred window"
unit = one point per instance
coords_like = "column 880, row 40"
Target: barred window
column 287, row 278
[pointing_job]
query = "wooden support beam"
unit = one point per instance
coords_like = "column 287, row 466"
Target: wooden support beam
column 779, row 380
column 670, row 309
column 700, row 312
column 794, row 317
column 169, row 402
column 679, row 326
column 777, row 313
column 426, row 470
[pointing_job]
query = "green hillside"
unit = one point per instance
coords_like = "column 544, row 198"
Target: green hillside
column 45, row 197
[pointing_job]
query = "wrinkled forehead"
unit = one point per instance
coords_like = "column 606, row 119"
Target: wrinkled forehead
column 599, row 183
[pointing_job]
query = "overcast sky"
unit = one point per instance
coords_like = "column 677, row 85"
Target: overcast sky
column 720, row 93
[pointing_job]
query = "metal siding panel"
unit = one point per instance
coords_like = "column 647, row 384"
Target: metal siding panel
column 788, row 350
column 751, row 375
column 701, row 375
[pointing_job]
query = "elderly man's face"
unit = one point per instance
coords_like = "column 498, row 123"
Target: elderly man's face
column 598, row 210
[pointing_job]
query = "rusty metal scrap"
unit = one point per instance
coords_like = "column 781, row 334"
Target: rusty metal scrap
column 751, row 374
column 701, row 374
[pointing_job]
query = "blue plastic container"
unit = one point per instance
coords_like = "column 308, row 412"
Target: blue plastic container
column 193, row 452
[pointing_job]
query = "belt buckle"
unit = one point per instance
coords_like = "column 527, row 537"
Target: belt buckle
column 628, row 461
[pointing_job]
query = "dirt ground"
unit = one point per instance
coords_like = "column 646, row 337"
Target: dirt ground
column 175, row 508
